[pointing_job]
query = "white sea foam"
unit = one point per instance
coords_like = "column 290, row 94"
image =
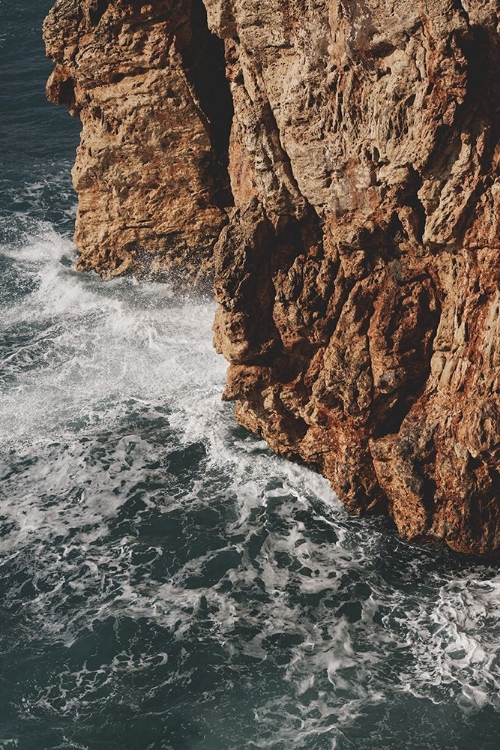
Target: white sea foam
column 111, row 416
column 101, row 347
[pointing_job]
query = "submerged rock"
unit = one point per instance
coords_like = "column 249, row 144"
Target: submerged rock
column 358, row 270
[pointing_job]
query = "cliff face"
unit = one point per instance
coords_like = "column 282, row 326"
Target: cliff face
column 358, row 271
column 147, row 81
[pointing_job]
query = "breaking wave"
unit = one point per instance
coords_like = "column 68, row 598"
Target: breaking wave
column 168, row 583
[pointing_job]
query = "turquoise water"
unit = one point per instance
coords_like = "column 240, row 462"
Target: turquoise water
column 165, row 582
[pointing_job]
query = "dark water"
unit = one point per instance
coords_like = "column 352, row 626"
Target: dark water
column 165, row 582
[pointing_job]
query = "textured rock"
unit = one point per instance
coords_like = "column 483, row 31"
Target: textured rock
column 358, row 274
column 147, row 81
column 358, row 279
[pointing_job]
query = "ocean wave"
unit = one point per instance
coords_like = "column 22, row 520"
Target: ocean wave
column 157, row 557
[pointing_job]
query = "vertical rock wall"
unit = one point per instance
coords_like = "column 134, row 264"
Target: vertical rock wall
column 147, row 81
column 358, row 270
column 358, row 279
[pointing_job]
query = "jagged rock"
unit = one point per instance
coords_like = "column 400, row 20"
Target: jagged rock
column 147, row 81
column 358, row 272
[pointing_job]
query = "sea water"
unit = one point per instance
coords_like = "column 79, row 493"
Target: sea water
column 166, row 582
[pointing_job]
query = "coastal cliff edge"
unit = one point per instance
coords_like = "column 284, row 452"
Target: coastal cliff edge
column 334, row 167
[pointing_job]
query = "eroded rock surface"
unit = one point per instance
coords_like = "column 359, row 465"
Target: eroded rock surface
column 359, row 276
column 358, row 273
column 147, row 81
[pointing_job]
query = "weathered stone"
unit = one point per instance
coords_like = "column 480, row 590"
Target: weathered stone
column 147, row 81
column 365, row 138
column 358, row 272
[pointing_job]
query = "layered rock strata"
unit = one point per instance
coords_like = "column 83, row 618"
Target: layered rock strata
column 358, row 271
column 147, row 81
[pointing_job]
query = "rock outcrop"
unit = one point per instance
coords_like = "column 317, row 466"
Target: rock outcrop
column 147, row 81
column 358, row 271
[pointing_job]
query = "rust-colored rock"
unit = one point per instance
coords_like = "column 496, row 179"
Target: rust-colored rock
column 358, row 275
column 147, row 81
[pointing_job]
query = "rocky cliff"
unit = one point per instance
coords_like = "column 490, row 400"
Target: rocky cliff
column 147, row 81
column 356, row 253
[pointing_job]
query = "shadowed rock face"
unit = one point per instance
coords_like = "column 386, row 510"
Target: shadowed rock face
column 358, row 271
